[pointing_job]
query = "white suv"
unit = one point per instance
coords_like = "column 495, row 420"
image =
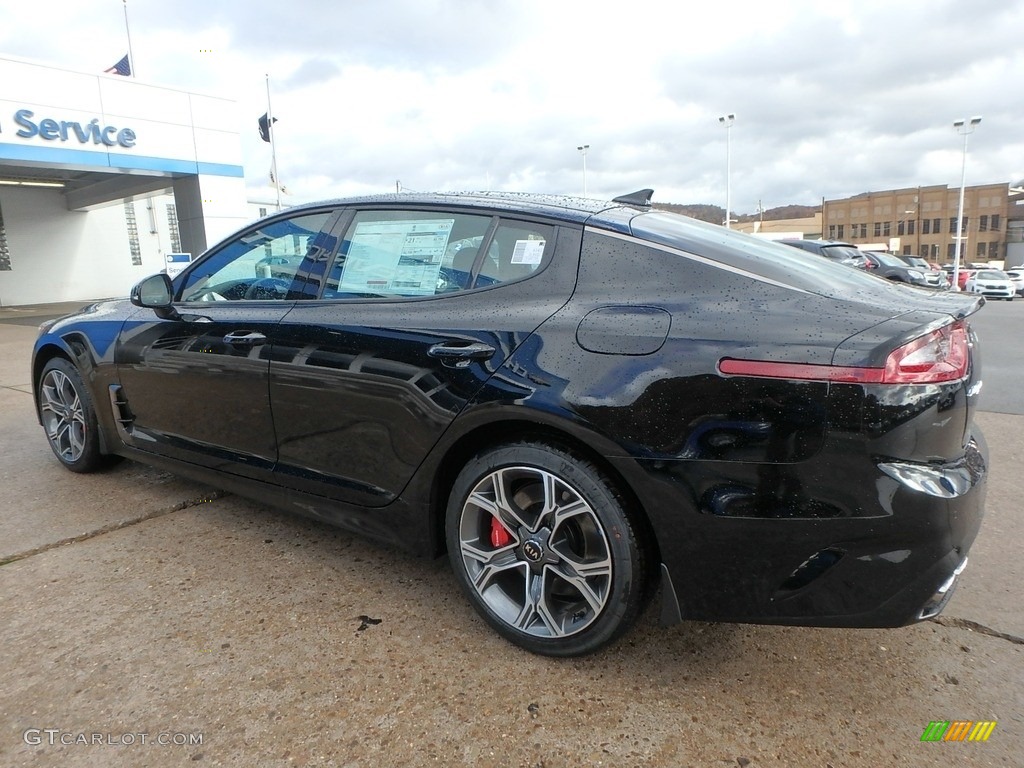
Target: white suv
column 993, row 283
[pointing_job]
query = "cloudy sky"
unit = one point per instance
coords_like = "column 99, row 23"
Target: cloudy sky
column 831, row 99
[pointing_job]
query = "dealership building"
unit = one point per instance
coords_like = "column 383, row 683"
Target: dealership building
column 922, row 221
column 105, row 180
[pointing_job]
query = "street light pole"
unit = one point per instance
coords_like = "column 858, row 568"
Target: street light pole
column 583, row 151
column 727, row 121
column 917, row 224
column 965, row 128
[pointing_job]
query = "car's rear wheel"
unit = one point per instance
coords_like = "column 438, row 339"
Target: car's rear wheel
column 542, row 544
column 68, row 416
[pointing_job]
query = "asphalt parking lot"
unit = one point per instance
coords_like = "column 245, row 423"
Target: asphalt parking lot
column 137, row 607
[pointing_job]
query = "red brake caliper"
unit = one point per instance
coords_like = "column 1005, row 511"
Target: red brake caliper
column 500, row 537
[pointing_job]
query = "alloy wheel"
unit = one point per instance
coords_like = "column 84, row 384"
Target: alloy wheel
column 63, row 415
column 535, row 552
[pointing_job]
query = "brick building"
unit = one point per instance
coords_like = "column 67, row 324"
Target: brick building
column 921, row 221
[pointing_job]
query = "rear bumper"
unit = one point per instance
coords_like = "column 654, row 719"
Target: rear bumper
column 895, row 568
column 941, row 596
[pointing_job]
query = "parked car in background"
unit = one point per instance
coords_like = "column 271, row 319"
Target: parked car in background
column 844, row 253
column 935, row 277
column 892, row 267
column 992, row 283
column 584, row 403
column 963, row 276
column 1016, row 276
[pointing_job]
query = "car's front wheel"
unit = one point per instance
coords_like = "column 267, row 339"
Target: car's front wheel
column 68, row 416
column 542, row 544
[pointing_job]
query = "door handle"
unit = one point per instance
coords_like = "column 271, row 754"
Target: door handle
column 459, row 354
column 245, row 339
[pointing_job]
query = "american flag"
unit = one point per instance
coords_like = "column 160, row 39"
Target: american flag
column 121, row 68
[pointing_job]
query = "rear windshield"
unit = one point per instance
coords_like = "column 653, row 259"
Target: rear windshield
column 842, row 252
column 889, row 260
column 783, row 263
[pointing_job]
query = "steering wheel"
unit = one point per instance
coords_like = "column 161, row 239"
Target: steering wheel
column 267, row 288
column 449, row 279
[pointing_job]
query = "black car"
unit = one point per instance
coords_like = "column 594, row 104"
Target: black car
column 892, row 267
column 579, row 401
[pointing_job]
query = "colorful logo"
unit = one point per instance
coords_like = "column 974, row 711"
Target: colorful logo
column 958, row 730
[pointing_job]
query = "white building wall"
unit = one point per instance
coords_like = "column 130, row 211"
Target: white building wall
column 225, row 209
column 61, row 255
column 258, row 207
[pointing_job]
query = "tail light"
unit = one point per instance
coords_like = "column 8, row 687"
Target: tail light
column 942, row 355
column 938, row 356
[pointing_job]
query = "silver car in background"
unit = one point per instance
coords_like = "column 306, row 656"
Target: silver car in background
column 935, row 278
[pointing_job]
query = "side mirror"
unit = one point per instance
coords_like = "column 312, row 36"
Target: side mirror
column 156, row 293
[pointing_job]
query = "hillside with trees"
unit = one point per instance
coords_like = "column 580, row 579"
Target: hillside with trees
column 716, row 214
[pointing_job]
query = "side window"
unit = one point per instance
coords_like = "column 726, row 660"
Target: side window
column 425, row 253
column 407, row 253
column 258, row 265
column 518, row 250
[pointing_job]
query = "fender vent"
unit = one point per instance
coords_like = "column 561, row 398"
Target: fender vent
column 122, row 415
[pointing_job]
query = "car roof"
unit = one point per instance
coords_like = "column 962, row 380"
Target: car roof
column 822, row 243
column 580, row 210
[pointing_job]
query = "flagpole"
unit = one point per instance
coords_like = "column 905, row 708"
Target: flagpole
column 273, row 149
column 128, row 31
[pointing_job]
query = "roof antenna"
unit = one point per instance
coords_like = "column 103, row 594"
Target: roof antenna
column 641, row 198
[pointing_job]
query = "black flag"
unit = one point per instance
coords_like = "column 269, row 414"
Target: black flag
column 265, row 126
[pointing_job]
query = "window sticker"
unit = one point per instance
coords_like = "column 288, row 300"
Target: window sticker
column 396, row 257
column 528, row 252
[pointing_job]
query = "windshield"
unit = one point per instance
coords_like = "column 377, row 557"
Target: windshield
column 991, row 274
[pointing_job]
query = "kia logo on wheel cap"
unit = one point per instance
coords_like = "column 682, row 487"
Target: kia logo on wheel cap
column 533, row 551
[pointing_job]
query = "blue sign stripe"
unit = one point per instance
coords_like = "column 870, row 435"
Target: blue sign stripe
column 221, row 169
column 83, row 160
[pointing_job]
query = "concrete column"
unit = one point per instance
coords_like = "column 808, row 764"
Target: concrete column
column 209, row 209
column 188, row 201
